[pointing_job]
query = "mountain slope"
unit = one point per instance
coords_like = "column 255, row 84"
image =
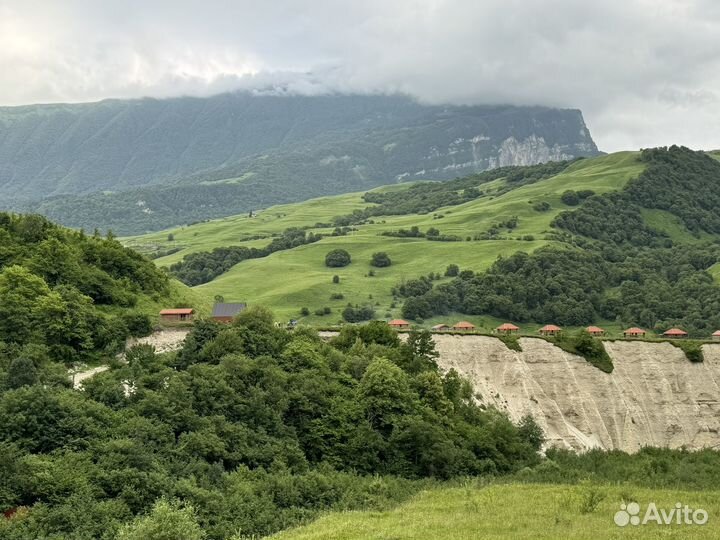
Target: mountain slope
column 503, row 511
column 302, row 279
column 148, row 164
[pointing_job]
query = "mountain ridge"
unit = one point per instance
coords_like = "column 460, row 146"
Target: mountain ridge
column 141, row 165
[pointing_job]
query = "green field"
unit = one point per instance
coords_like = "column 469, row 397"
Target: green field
column 286, row 281
column 516, row 511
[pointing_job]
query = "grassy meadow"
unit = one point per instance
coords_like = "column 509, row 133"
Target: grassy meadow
column 286, row 281
column 517, row 511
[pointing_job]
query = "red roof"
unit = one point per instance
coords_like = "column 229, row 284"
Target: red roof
column 179, row 311
column 398, row 322
column 595, row 330
column 550, row 328
column 675, row 332
column 716, row 333
column 507, row 326
column 464, row 324
column 634, row 330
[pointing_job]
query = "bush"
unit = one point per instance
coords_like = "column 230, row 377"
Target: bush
column 138, row 324
column 337, row 296
column 380, row 260
column 305, row 312
column 358, row 313
column 337, row 258
column 336, row 279
column 452, row 270
column 541, row 206
column 570, row 198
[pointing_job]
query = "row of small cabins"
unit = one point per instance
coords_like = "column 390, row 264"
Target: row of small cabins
column 547, row 330
column 226, row 312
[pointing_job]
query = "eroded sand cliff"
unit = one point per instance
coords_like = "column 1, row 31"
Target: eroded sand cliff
column 654, row 397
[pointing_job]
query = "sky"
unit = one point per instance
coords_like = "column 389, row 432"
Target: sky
column 644, row 72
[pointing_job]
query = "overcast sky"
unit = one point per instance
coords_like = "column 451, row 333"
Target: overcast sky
column 644, row 72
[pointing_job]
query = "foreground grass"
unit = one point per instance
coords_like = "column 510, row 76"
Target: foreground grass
column 515, row 511
column 289, row 280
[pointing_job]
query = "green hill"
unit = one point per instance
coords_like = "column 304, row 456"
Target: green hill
column 289, row 280
column 618, row 240
column 502, row 511
column 68, row 297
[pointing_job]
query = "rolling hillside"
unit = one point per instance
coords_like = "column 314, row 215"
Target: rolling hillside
column 289, row 280
column 140, row 165
column 493, row 512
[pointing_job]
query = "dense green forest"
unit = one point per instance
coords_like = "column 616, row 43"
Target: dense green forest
column 613, row 265
column 254, row 427
column 66, row 296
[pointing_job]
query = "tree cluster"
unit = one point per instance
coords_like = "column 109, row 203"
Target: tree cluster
column 248, row 428
column 61, row 289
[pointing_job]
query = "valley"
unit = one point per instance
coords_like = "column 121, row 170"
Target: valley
column 308, row 283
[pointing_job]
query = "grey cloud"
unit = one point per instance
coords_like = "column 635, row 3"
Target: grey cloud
column 644, row 72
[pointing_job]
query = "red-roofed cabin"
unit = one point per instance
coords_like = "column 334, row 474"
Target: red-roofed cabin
column 442, row 327
column 716, row 335
column 634, row 332
column 595, row 331
column 550, row 330
column 177, row 315
column 399, row 324
column 463, row 326
column 507, row 328
column 675, row 333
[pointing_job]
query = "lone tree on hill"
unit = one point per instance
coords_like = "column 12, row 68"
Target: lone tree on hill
column 337, row 258
column 380, row 260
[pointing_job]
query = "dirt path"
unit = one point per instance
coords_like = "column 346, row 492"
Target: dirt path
column 163, row 341
column 78, row 377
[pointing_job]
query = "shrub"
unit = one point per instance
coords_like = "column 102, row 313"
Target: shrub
column 138, row 324
column 380, row 260
column 452, row 270
column 570, row 198
column 358, row 313
column 336, row 279
column 541, row 206
column 305, row 312
column 337, row 296
column 337, row 258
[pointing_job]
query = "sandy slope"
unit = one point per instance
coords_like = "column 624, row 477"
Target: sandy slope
column 654, row 397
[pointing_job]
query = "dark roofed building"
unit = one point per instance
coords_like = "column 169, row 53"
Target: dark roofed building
column 225, row 313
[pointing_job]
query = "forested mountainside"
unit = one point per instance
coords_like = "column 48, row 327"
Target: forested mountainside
column 67, row 297
column 149, row 164
column 641, row 255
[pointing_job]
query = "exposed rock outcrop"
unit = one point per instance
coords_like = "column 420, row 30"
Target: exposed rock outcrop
column 654, row 397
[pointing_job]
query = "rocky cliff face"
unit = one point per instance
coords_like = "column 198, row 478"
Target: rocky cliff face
column 654, row 397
